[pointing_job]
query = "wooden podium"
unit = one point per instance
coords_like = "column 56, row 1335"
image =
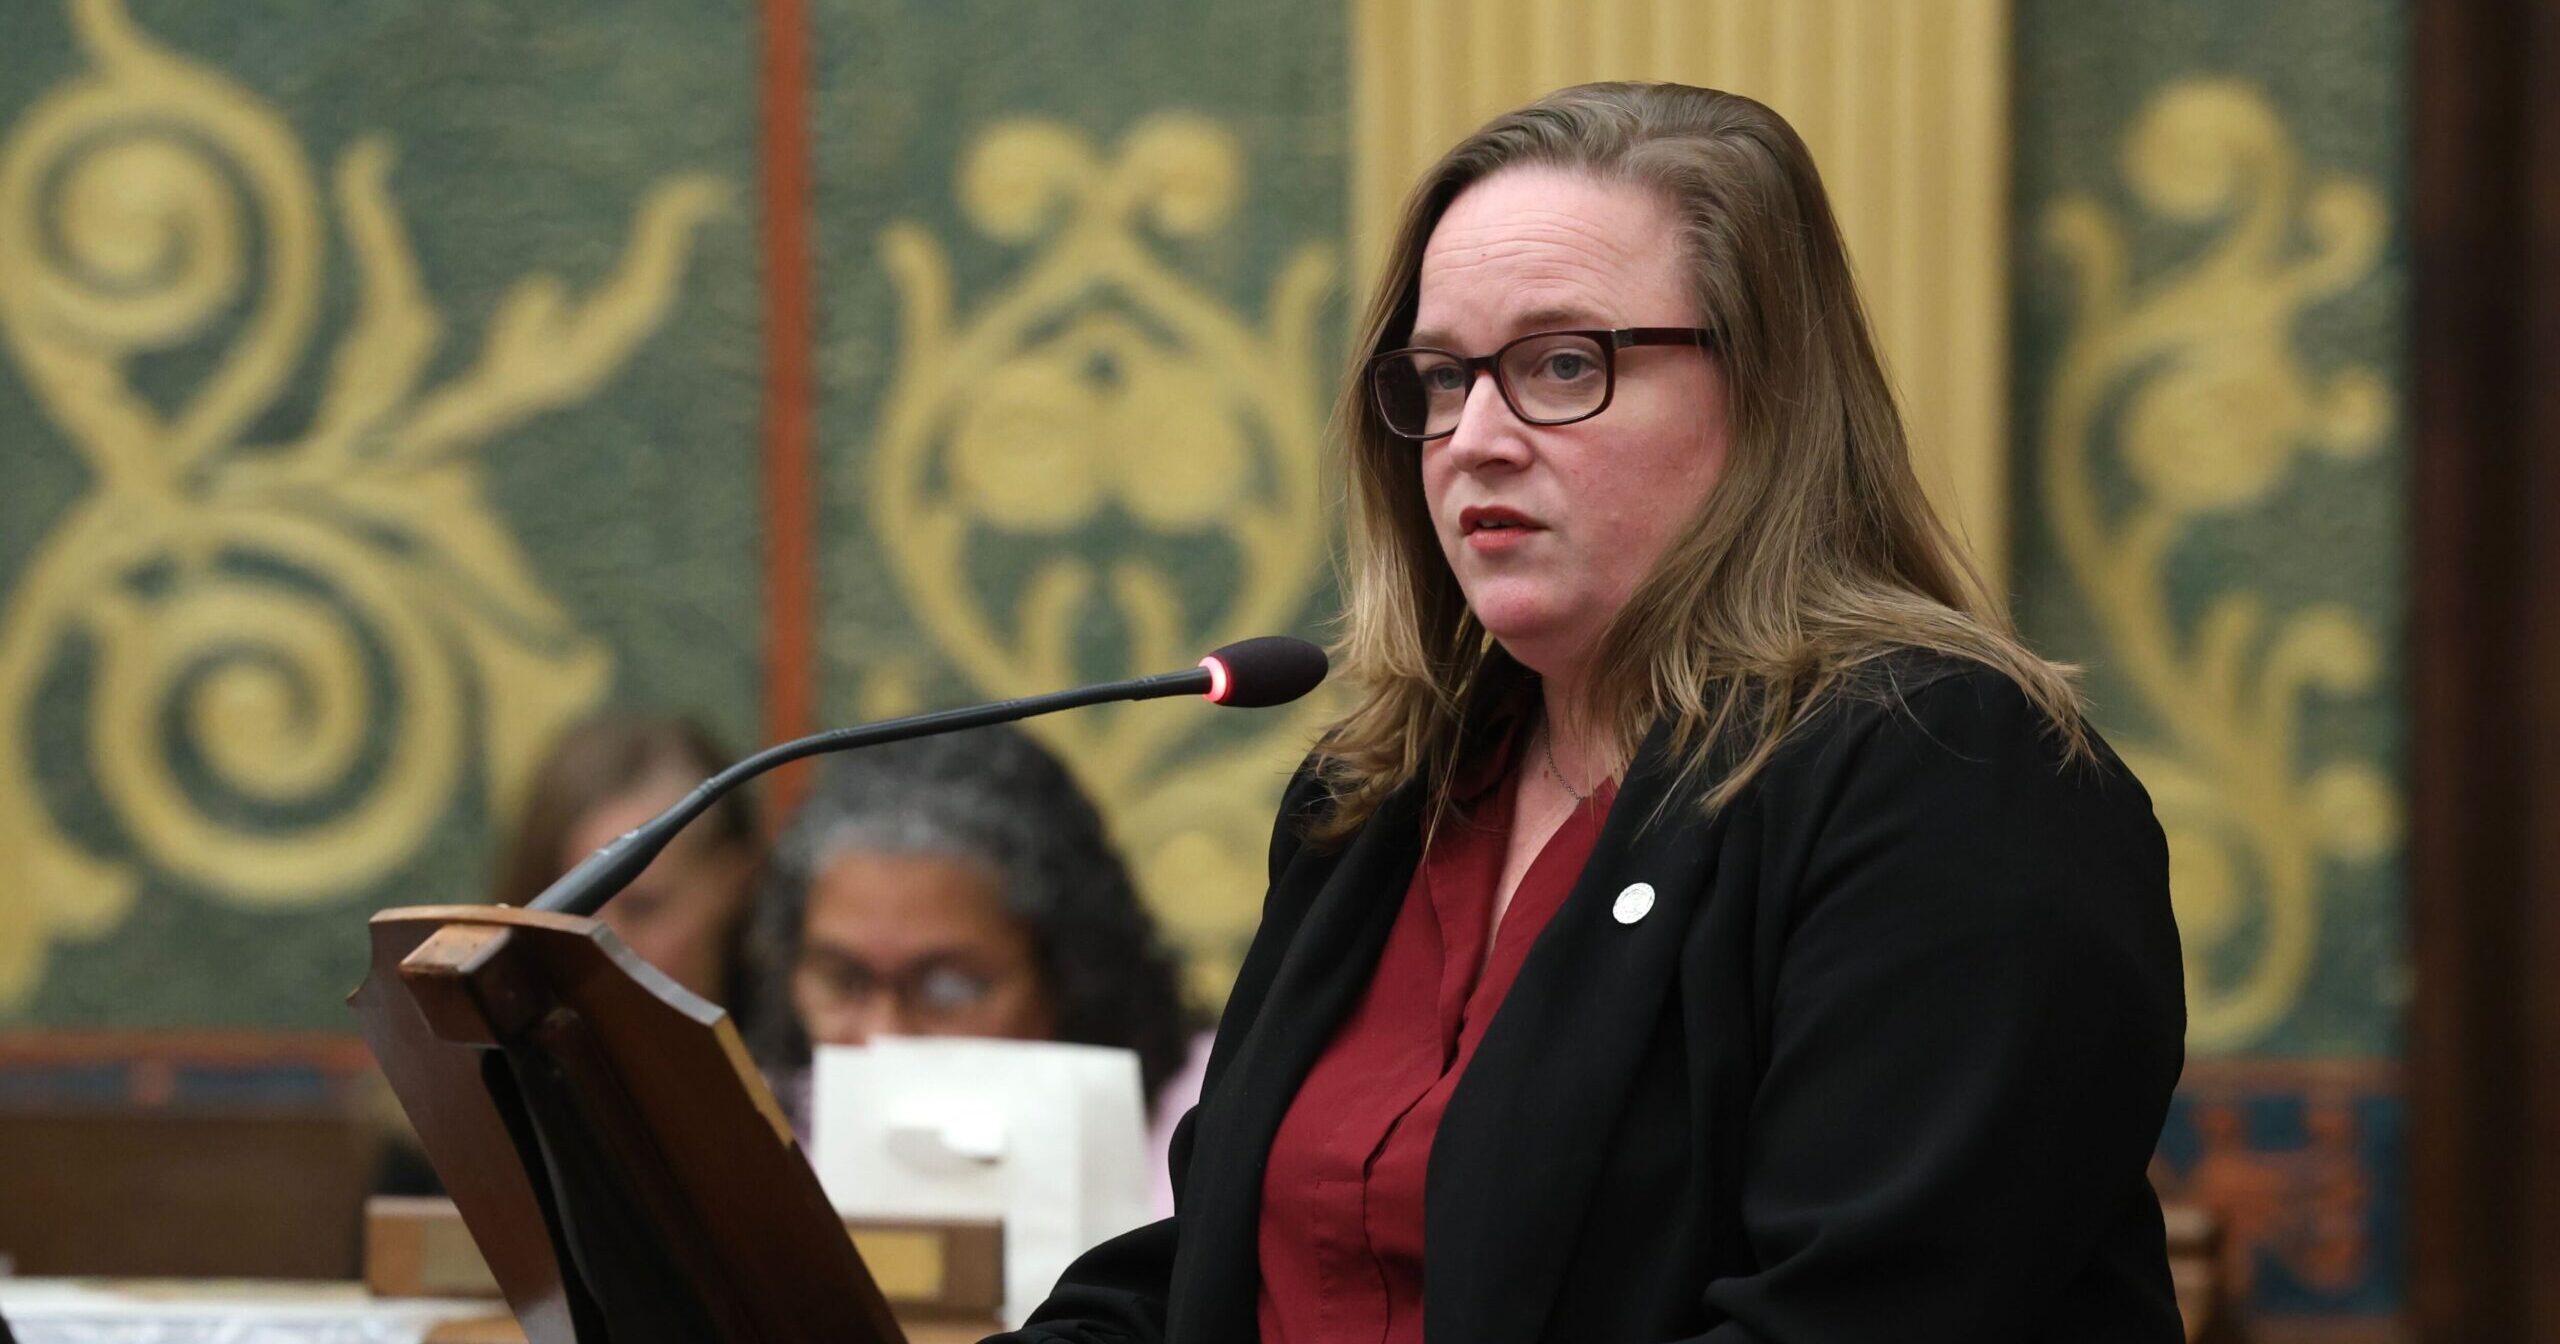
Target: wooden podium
column 623, row 1167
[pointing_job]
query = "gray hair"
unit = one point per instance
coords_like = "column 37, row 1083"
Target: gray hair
column 995, row 798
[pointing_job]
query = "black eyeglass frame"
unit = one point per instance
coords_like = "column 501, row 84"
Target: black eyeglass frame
column 1609, row 341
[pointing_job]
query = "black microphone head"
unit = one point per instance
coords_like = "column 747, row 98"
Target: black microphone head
column 1263, row 670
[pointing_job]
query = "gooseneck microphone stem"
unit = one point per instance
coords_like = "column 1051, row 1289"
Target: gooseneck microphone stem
column 583, row 890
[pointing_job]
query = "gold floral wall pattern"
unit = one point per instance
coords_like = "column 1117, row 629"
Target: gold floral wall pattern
column 293, row 651
column 1099, row 411
column 2179, row 401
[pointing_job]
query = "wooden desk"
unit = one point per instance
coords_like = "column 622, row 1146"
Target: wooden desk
column 140, row 1311
column 198, row 1155
column 943, row 1279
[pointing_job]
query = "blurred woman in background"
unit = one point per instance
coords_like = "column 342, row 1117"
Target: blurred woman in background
column 961, row 885
column 686, row 913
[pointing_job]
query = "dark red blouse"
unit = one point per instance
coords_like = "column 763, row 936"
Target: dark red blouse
column 1341, row 1230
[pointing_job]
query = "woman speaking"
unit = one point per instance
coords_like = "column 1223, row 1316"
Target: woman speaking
column 1708, row 923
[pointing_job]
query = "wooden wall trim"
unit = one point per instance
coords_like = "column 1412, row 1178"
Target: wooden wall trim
column 332, row 1052
column 2485, row 717
column 791, row 385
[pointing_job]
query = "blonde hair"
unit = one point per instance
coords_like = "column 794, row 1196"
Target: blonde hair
column 1815, row 554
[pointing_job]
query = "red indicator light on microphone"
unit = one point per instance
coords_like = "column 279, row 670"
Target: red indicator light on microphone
column 1260, row 672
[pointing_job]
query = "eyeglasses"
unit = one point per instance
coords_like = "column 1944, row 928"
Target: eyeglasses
column 933, row 992
column 1546, row 377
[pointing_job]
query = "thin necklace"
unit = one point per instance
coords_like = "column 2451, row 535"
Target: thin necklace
column 1548, row 741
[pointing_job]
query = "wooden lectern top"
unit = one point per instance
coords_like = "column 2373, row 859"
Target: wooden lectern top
column 611, row 1147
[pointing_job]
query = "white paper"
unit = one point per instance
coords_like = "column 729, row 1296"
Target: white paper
column 1048, row 1138
column 211, row 1311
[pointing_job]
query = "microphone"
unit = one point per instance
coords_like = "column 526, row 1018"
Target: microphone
column 1248, row 674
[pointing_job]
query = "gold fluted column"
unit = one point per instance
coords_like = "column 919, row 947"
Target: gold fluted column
column 1906, row 107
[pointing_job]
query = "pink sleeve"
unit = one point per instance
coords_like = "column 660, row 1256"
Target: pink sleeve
column 1181, row 1092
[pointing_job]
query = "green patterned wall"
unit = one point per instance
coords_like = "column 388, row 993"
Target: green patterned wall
column 380, row 390
column 1082, row 314
column 2211, row 320
column 467, row 302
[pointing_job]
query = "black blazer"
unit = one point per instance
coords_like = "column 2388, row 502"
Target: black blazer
column 1885, row 1061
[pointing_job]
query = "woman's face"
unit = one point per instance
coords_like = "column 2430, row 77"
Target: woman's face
column 915, row 945
column 1589, row 506
column 679, row 912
